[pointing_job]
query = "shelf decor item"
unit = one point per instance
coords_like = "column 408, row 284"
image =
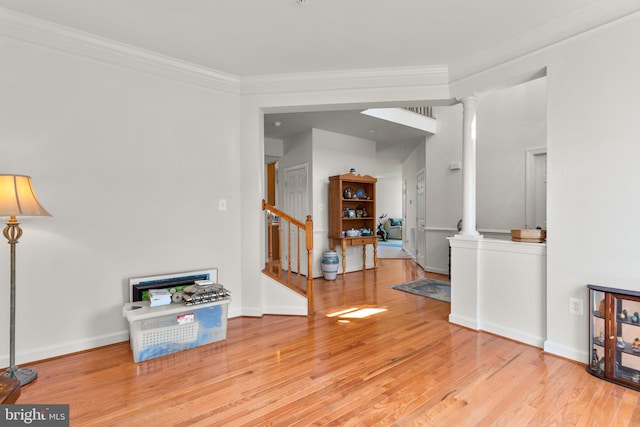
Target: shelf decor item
column 613, row 357
column 594, row 360
column 330, row 262
column 528, row 235
column 17, row 198
column 347, row 193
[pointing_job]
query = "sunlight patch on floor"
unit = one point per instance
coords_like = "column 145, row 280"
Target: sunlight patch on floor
column 355, row 313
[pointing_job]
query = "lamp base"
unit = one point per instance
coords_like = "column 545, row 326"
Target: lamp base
column 24, row 375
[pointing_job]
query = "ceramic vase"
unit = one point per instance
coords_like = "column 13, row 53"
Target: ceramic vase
column 330, row 265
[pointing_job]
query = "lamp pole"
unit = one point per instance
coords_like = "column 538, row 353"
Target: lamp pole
column 12, row 232
column 17, row 198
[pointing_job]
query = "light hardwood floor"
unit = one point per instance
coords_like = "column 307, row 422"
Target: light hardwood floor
column 405, row 366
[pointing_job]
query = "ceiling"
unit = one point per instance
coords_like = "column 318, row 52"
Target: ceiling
column 268, row 37
column 394, row 142
column 259, row 37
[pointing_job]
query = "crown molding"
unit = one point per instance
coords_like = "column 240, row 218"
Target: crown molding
column 55, row 36
column 396, row 77
column 59, row 37
column 580, row 21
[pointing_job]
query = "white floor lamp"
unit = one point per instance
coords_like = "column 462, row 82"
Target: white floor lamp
column 17, row 198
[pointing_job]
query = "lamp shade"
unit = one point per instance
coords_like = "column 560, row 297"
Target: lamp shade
column 17, row 197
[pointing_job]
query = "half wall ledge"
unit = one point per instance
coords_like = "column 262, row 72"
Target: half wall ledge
column 499, row 286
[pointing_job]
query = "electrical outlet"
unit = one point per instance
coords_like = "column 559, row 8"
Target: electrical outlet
column 575, row 306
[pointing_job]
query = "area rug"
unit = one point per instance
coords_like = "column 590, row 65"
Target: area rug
column 396, row 243
column 429, row 288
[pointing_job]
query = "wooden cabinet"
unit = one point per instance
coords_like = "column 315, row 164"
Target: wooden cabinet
column 614, row 335
column 352, row 214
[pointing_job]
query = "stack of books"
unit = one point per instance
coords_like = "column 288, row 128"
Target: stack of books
column 159, row 297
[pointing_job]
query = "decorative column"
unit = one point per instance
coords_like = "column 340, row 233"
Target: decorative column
column 469, row 167
column 466, row 245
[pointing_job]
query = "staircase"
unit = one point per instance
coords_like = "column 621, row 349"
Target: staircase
column 284, row 252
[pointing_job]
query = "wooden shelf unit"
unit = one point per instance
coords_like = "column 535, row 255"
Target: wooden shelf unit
column 340, row 221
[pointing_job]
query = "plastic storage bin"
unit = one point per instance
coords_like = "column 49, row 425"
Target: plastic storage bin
column 157, row 331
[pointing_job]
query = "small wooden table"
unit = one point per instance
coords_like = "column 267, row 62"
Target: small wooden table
column 363, row 241
column 9, row 389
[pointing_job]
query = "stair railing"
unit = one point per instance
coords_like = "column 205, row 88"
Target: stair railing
column 425, row 111
column 276, row 244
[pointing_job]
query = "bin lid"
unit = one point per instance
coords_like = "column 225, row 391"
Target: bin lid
column 141, row 310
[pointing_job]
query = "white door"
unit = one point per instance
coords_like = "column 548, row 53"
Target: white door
column 404, row 213
column 536, row 188
column 420, row 219
column 296, row 205
column 540, row 192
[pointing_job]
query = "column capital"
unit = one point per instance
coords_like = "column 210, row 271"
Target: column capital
column 469, row 100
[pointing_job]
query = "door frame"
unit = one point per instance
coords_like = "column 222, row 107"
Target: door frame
column 285, row 202
column 421, row 238
column 530, row 188
column 286, row 251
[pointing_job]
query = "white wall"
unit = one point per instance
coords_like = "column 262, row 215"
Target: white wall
column 326, row 154
column 592, row 151
column 443, row 187
column 410, row 168
column 131, row 165
column 592, row 175
column 273, row 150
column 389, row 196
column 140, row 206
column 509, row 121
column 297, row 152
column 336, row 154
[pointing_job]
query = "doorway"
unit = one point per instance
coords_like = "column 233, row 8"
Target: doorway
column 295, row 204
column 421, row 246
column 536, row 188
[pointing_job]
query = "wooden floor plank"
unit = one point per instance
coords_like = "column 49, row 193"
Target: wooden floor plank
column 403, row 367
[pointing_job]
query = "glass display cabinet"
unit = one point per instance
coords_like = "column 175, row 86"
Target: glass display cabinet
column 614, row 335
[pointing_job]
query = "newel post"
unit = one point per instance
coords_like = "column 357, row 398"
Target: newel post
column 308, row 232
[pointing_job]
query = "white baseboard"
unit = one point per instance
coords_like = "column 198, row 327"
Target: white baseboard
column 436, row 270
column 249, row 312
column 66, row 348
column 566, row 352
column 513, row 334
column 234, row 312
column 463, row 321
column 285, row 311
